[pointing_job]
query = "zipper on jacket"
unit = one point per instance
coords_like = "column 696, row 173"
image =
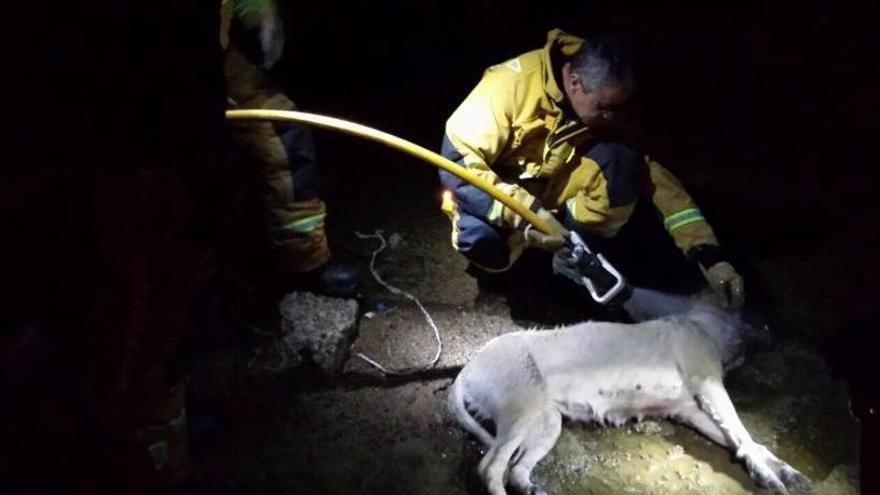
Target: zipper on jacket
column 566, row 131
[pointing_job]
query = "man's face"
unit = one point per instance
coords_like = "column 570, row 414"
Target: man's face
column 600, row 108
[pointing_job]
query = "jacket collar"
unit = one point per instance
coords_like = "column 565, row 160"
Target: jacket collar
column 561, row 43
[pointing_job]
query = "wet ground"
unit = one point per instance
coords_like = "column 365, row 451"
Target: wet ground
column 288, row 430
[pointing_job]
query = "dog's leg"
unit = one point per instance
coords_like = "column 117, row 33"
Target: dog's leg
column 493, row 466
column 488, row 468
column 539, row 441
column 764, row 467
column 699, row 420
column 702, row 422
column 511, row 434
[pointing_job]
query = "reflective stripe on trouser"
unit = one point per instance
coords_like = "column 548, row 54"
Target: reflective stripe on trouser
column 492, row 248
column 299, row 242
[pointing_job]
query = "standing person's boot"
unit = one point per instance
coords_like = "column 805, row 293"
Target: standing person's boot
column 333, row 278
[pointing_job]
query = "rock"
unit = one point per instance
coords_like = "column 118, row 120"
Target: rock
column 319, row 328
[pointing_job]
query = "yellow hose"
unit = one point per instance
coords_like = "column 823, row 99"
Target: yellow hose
column 363, row 131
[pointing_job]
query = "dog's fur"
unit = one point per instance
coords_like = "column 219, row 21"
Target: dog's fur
column 668, row 366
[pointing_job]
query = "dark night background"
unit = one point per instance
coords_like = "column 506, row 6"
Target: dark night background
column 766, row 113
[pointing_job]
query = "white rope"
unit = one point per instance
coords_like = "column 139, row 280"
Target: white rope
column 395, row 290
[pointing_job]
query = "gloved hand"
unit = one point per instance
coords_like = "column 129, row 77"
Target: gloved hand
column 564, row 264
column 547, row 242
column 264, row 31
column 601, row 275
column 726, row 284
column 271, row 39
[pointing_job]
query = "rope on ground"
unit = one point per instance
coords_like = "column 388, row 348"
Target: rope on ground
column 399, row 292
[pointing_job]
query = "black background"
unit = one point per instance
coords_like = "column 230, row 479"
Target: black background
column 786, row 94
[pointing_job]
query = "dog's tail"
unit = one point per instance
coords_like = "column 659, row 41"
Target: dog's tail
column 465, row 419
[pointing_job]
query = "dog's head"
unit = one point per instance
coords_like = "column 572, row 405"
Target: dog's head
column 646, row 304
column 727, row 329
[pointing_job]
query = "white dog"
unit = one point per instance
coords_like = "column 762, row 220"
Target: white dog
column 670, row 366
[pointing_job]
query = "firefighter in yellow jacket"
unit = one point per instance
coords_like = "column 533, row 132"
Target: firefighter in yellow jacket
column 546, row 127
column 252, row 38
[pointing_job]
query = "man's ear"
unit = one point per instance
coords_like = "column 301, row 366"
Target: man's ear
column 570, row 80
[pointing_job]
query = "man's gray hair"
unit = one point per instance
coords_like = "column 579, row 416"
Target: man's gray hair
column 602, row 61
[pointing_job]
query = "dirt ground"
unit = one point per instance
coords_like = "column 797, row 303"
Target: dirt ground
column 293, row 431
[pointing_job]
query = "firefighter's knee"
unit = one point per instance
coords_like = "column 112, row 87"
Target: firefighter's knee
column 481, row 243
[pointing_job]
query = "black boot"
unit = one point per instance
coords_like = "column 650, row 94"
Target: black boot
column 339, row 279
column 334, row 278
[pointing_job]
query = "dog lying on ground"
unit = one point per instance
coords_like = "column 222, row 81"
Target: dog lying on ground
column 668, row 366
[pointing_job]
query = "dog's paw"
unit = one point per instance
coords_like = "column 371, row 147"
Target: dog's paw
column 770, row 481
column 790, row 476
column 761, row 471
column 793, row 478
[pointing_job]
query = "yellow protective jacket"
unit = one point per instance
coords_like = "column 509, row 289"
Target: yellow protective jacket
column 513, row 131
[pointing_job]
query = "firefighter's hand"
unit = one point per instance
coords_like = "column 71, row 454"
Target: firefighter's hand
column 547, row 242
column 566, row 265
column 726, row 283
column 265, row 33
column 271, row 40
